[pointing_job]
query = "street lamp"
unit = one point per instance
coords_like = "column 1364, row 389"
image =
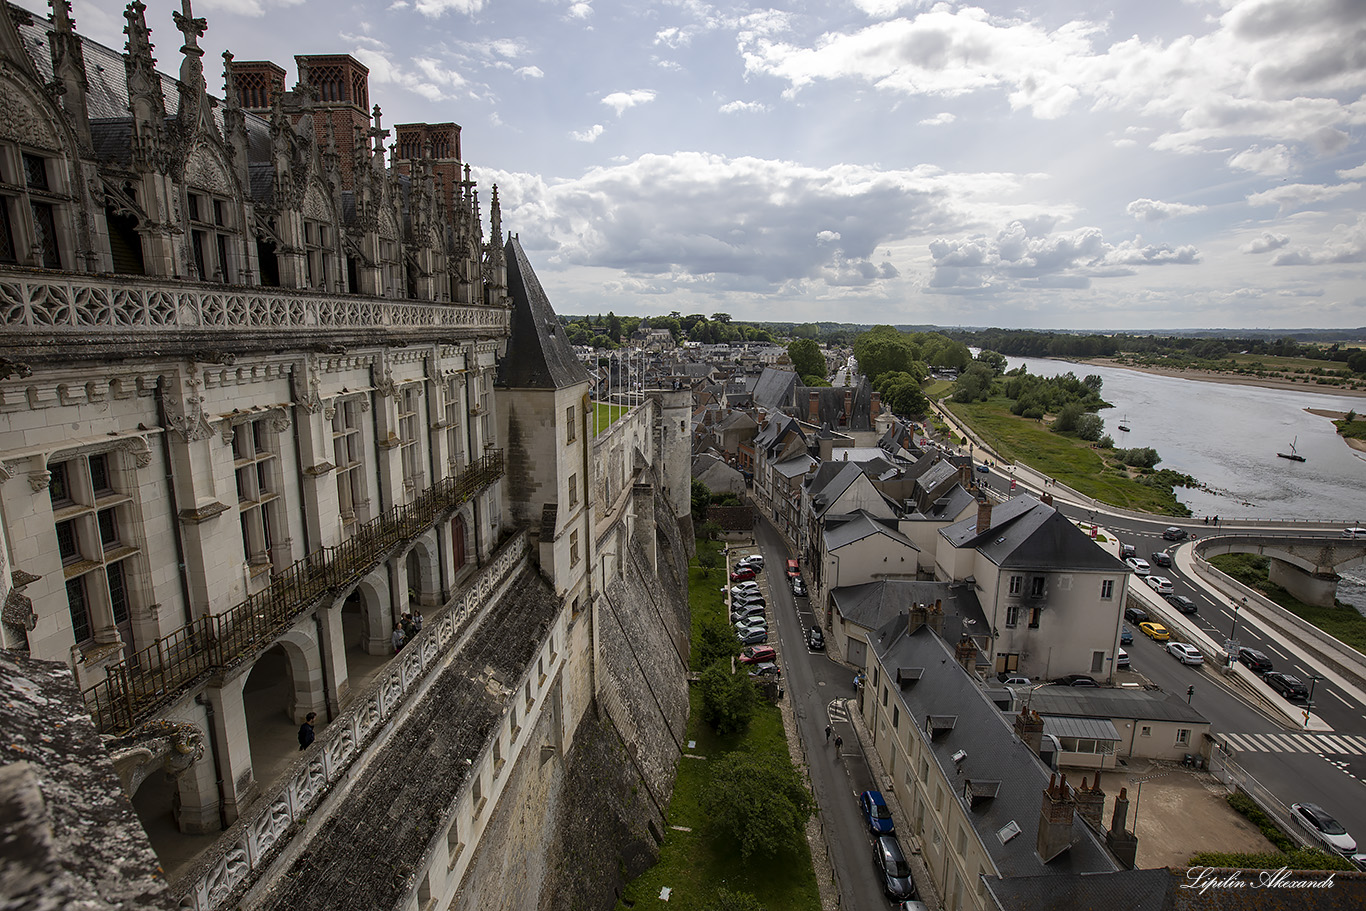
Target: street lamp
column 1139, row 795
column 1231, row 650
column 1309, row 703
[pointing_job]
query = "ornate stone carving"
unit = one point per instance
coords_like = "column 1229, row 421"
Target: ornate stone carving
column 138, row 450
column 187, row 417
column 172, row 746
column 307, row 382
column 204, row 172
column 20, row 121
column 38, row 480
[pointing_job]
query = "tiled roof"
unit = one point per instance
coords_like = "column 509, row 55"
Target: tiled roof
column 539, row 355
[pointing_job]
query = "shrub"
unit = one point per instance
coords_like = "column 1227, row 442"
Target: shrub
column 728, row 699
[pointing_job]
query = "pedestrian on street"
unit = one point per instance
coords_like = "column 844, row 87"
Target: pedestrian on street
column 839, row 742
column 397, row 638
column 827, row 733
column 306, row 731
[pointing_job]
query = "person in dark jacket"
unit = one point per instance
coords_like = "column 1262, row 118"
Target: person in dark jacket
column 306, row 731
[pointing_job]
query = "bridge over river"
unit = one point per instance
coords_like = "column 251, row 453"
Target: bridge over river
column 1307, row 566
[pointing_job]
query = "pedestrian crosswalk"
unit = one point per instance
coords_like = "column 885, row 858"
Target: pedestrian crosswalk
column 1303, row 742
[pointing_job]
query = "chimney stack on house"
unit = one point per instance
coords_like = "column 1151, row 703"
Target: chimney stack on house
column 1122, row 843
column 1046, row 499
column 916, row 617
column 848, row 407
column 813, row 407
column 935, row 617
column 1091, row 803
column 1055, row 819
column 877, row 405
column 983, row 515
column 1029, row 728
column 965, row 652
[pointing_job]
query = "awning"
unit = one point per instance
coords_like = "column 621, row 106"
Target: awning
column 1084, row 728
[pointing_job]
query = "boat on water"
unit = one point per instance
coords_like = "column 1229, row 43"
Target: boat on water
column 1292, row 455
column 1123, row 424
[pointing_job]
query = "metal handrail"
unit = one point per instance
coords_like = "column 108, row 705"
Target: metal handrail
column 134, row 687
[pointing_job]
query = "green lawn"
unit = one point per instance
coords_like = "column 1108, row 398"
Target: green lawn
column 1073, row 462
column 695, row 863
column 1343, row 622
column 605, row 415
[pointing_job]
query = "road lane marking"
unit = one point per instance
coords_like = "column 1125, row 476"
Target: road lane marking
column 1338, row 698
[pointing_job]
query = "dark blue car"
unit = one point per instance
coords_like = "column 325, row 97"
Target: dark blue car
column 1126, row 636
column 876, row 814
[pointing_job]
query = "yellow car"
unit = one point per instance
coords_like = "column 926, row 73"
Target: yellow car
column 1155, row 631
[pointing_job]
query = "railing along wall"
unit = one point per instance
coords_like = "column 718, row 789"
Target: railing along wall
column 248, row 848
column 142, row 682
column 55, row 302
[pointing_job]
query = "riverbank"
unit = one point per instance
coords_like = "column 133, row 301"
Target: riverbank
column 1229, row 379
column 1358, row 445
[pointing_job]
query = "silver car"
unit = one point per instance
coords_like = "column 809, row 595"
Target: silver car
column 1186, row 654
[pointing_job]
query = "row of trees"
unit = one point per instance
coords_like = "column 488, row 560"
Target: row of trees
column 611, row 331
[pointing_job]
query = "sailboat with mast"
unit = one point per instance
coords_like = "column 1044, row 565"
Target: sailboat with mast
column 1123, row 424
column 1292, row 455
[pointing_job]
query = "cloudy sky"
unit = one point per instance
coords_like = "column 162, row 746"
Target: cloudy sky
column 1060, row 164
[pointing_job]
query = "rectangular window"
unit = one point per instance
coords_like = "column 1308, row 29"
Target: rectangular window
column 35, row 172
column 569, row 424
column 1034, row 613
column 1183, row 737
column 1012, row 615
column 1145, row 731
column 1036, row 586
column 68, row 544
column 573, row 491
column 1016, row 584
column 45, row 235
column 573, row 548
column 58, row 488
column 1097, row 662
column 109, row 528
column 99, row 474
column 118, row 596
column 1107, row 589
column 896, row 717
column 884, row 697
column 7, row 254
column 80, row 610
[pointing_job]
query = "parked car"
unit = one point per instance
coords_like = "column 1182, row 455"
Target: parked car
column 739, row 604
column 1138, row 565
column 1126, row 636
column 1254, row 660
column 1316, row 821
column 1161, row 558
column 748, row 596
column 756, row 636
column 799, row 587
column 792, row 569
column 756, row 654
column 815, row 639
column 1186, row 654
column 743, row 574
column 1077, row 680
column 745, row 588
column 1126, row 551
column 1121, row 659
column 746, row 614
column 1172, row 533
column 1155, row 631
column 1288, row 685
column 755, row 560
column 1182, row 603
column 751, row 620
column 876, row 814
column 1160, row 584
column 766, row 669
column 1015, row 680
column 1135, row 615
column 983, row 469
column 891, row 863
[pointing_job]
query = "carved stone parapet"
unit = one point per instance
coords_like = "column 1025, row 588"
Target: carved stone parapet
column 203, row 513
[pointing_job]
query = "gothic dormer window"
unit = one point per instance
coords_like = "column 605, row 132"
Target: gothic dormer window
column 31, row 209
column 211, row 236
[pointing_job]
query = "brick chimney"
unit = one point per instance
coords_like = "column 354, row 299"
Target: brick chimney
column 1055, row 819
column 965, row 475
column 877, row 405
column 916, row 617
column 983, row 515
column 935, row 617
column 1091, row 803
column 848, row 407
column 813, row 407
column 1029, row 728
column 1121, row 842
column 1046, row 499
column 964, row 652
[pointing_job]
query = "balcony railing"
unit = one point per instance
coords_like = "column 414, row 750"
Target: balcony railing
column 52, row 302
column 135, row 687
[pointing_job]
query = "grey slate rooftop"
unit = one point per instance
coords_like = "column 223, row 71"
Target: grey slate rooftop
column 993, row 754
column 871, row 605
column 1117, row 702
column 539, row 355
column 1029, row 534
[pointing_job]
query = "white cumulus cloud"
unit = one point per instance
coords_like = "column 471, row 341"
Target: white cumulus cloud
column 940, row 119
column 589, row 135
column 1298, row 195
column 1265, row 243
column 1155, row 210
column 620, row 101
column 743, row 107
column 1272, row 161
column 1347, row 245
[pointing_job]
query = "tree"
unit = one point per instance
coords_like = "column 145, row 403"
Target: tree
column 728, row 699
column 815, row 381
column 717, row 643
column 1089, row 427
column 973, row 384
column 613, row 326
column 806, row 357
column 721, row 317
column 1068, row 417
column 758, row 799
column 701, row 497
column 994, row 360
column 707, row 559
column 901, row 393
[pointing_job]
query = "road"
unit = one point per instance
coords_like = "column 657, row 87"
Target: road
column 816, row 686
column 1328, row 769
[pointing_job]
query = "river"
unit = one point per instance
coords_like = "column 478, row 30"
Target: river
column 1227, row 437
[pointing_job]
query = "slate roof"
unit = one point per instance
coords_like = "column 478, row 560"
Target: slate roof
column 539, row 355
column 861, row 525
column 830, row 405
column 794, row 466
column 872, row 604
column 1027, row 534
column 1117, row 702
column 1125, row 890
column 993, row 754
column 773, row 388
